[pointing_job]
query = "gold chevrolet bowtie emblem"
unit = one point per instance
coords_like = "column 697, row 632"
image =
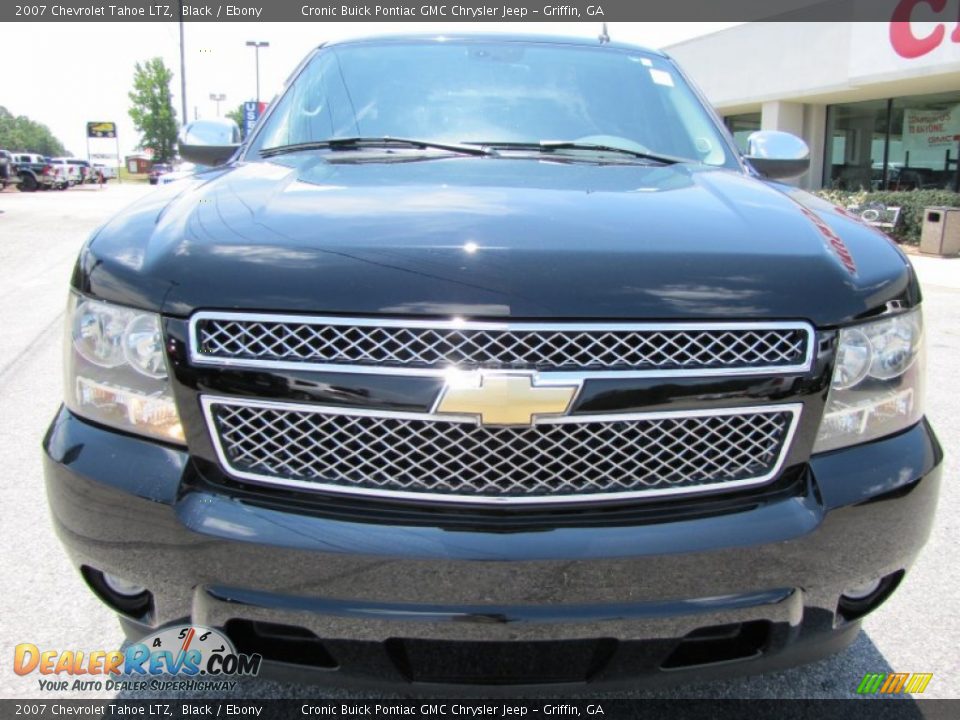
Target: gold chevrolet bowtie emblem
column 503, row 399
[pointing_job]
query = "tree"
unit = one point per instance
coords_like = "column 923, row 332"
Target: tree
column 152, row 111
column 237, row 116
column 22, row 133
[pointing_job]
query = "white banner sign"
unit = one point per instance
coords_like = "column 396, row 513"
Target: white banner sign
column 931, row 129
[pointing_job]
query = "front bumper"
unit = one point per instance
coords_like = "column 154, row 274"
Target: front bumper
column 387, row 598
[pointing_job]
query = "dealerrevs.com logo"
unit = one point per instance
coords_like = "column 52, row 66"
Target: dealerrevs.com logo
column 198, row 658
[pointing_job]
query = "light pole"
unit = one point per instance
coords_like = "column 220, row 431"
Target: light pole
column 218, row 98
column 183, row 69
column 256, row 45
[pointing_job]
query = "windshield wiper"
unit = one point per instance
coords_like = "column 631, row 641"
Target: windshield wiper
column 353, row 143
column 547, row 146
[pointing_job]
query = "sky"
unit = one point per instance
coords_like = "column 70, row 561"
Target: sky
column 87, row 69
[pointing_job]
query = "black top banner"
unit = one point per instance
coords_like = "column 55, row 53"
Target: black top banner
column 487, row 10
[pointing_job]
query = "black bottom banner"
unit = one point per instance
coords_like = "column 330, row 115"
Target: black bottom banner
column 441, row 709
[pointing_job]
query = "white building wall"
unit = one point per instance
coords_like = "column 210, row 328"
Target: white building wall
column 745, row 66
column 780, row 115
column 815, row 134
column 791, row 72
column 757, row 62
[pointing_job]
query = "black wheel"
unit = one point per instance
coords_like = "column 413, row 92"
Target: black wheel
column 28, row 183
column 62, row 186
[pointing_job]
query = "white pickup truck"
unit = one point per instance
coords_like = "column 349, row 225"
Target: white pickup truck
column 66, row 169
column 109, row 173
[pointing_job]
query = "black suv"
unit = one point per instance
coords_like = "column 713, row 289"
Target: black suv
column 492, row 360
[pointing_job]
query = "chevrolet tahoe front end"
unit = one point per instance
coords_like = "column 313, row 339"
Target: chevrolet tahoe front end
column 482, row 406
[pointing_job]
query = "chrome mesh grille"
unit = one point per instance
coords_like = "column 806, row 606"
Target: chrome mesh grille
column 418, row 345
column 549, row 461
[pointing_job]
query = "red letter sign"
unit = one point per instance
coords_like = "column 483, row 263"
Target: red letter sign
column 907, row 44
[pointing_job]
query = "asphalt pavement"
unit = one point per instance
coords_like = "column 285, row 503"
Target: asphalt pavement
column 45, row 602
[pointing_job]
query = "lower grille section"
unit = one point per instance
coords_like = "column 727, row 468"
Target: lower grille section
column 500, row 663
column 572, row 458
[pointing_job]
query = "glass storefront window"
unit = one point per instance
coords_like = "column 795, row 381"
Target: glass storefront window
column 923, row 142
column 856, row 135
column 903, row 144
column 741, row 126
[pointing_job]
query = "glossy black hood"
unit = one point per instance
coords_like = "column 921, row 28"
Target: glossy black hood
column 492, row 237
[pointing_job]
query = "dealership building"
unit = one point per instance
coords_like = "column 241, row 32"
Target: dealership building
column 878, row 103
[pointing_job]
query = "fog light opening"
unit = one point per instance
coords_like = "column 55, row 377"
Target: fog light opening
column 280, row 643
column 121, row 586
column 720, row 644
column 123, row 596
column 859, row 600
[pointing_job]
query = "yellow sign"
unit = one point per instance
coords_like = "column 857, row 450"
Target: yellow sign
column 502, row 399
column 101, row 130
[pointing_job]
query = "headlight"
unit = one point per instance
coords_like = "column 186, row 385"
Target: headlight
column 877, row 386
column 116, row 369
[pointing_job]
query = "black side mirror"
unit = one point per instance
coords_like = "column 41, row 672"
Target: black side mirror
column 778, row 155
column 209, row 142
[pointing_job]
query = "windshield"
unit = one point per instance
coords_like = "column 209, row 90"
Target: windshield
column 496, row 92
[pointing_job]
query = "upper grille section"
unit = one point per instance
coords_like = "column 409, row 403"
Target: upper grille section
column 573, row 458
column 431, row 347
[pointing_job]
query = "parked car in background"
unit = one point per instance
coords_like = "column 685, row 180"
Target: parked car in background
column 8, row 174
column 109, row 173
column 83, row 169
column 61, row 175
column 34, row 171
column 157, row 170
column 183, row 170
column 69, row 170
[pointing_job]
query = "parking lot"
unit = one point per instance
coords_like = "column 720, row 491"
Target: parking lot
column 46, row 603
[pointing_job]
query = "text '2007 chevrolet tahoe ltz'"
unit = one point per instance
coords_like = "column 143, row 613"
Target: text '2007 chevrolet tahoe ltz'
column 490, row 360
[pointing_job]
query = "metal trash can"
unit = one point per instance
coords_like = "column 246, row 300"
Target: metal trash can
column 941, row 231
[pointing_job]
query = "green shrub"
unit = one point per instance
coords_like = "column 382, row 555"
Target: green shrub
column 911, row 203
